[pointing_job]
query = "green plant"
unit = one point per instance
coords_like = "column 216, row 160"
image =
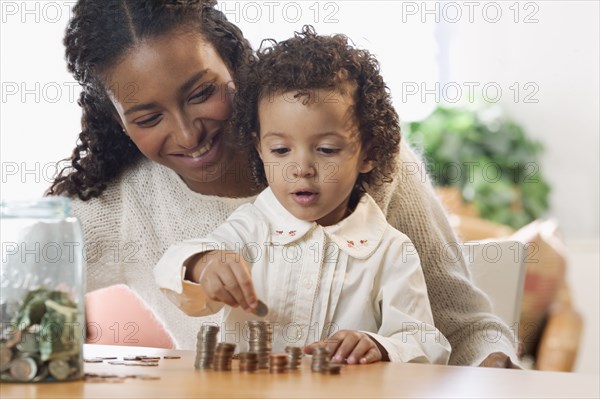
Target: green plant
column 488, row 158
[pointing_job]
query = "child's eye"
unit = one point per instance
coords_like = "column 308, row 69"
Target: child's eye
column 203, row 94
column 328, row 150
column 280, row 151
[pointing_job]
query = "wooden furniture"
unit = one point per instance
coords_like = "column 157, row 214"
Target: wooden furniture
column 498, row 268
column 178, row 378
column 550, row 328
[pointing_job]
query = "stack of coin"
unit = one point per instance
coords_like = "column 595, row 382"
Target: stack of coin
column 248, row 361
column 294, row 356
column 332, row 369
column 259, row 342
column 223, row 356
column 205, row 346
column 278, row 363
column 320, row 359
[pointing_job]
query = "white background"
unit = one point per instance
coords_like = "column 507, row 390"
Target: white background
column 551, row 45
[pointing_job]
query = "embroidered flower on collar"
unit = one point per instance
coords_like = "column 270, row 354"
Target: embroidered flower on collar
column 292, row 233
column 352, row 245
column 279, row 232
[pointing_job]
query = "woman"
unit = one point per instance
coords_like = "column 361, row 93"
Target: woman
column 156, row 164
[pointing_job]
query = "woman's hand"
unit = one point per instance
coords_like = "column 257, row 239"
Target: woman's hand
column 225, row 277
column 352, row 347
column 499, row 360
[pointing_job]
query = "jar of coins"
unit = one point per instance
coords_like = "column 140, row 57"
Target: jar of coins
column 42, row 286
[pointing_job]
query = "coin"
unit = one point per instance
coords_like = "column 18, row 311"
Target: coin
column 147, row 377
column 320, row 359
column 332, row 369
column 248, row 361
column 142, row 363
column 205, row 346
column 23, row 369
column 259, row 340
column 295, row 354
column 59, row 369
column 5, row 358
column 278, row 362
column 262, row 309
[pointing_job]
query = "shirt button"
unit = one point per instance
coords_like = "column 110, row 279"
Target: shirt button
column 299, row 335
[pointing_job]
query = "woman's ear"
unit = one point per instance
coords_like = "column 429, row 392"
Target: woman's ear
column 256, row 140
column 118, row 119
column 367, row 165
column 124, row 130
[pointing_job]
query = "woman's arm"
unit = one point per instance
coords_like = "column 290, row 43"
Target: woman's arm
column 460, row 311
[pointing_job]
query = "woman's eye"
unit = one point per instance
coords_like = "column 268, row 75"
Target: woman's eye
column 203, row 94
column 149, row 122
column 280, row 151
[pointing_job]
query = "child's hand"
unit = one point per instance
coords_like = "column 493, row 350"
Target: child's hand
column 225, row 277
column 349, row 346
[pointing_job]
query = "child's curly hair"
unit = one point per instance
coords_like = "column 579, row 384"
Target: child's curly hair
column 306, row 62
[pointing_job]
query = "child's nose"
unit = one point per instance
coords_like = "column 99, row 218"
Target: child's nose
column 305, row 168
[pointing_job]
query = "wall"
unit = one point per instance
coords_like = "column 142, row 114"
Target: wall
column 551, row 57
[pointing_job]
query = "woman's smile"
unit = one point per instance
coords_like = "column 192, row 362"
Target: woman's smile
column 185, row 90
column 200, row 156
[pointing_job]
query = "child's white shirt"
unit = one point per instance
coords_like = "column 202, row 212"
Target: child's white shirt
column 360, row 274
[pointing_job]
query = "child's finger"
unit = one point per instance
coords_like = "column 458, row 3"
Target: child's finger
column 344, row 348
column 216, row 291
column 372, row 356
column 231, row 287
column 227, row 298
column 362, row 347
column 244, row 282
column 308, row 349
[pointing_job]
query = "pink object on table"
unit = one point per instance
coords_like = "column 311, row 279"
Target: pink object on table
column 116, row 315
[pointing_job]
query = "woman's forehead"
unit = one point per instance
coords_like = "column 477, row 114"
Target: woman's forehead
column 165, row 62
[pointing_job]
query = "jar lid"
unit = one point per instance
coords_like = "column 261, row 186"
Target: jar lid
column 42, row 208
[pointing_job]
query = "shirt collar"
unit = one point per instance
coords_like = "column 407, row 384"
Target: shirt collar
column 284, row 227
column 359, row 234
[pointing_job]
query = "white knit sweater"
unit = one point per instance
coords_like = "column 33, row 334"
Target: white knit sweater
column 149, row 207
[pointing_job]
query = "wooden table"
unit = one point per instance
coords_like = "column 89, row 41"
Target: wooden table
column 178, row 378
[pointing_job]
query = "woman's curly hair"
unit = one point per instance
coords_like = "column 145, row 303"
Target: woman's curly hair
column 99, row 33
column 307, row 62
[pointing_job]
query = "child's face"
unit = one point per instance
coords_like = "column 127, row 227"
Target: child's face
column 312, row 153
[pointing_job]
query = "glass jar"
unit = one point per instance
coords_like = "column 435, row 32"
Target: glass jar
column 42, row 287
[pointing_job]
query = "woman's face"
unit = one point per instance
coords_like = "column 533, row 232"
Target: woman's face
column 173, row 95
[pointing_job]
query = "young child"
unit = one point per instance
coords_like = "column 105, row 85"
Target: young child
column 314, row 246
